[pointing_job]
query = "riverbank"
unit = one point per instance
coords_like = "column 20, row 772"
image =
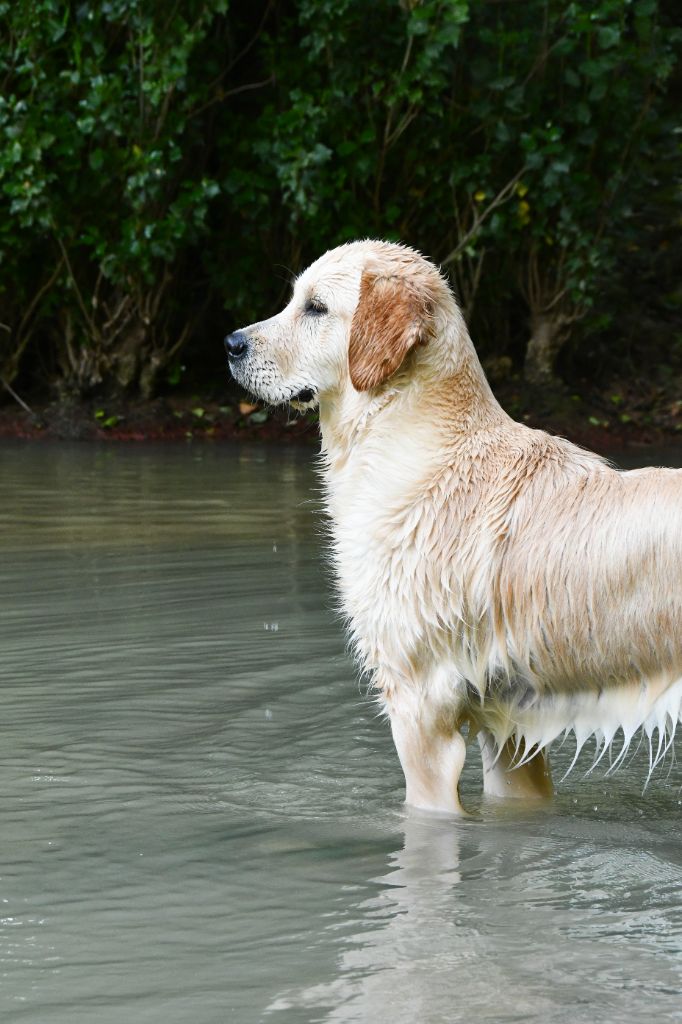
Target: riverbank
column 186, row 418
column 617, row 419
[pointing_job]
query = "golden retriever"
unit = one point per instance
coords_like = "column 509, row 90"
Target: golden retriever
column 498, row 582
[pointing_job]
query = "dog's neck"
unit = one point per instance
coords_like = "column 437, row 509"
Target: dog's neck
column 448, row 403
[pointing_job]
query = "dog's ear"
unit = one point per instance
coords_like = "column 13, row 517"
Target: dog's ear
column 391, row 317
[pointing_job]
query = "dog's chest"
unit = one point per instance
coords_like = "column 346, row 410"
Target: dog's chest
column 394, row 575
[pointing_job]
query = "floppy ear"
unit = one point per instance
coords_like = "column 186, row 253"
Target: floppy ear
column 391, row 317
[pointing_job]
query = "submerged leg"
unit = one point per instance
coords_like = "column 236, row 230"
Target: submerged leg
column 432, row 757
column 532, row 780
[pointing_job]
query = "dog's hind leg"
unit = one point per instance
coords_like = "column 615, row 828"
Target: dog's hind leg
column 531, row 780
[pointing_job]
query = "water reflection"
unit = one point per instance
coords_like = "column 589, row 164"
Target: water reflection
column 499, row 922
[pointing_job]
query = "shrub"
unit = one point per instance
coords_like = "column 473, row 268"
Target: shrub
column 103, row 171
column 157, row 160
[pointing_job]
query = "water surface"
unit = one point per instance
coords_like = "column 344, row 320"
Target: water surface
column 201, row 816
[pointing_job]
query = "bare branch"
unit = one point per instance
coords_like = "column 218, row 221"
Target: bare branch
column 16, row 398
column 38, row 296
column 231, row 92
column 89, row 321
column 502, row 196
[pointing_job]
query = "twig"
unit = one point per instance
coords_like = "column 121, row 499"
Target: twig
column 216, row 81
column 500, row 198
column 16, row 398
column 79, row 297
column 38, row 296
column 231, row 92
column 390, row 135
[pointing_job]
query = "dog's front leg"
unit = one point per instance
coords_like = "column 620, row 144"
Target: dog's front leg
column 531, row 781
column 431, row 752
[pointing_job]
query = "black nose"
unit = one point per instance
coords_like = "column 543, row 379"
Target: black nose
column 236, row 344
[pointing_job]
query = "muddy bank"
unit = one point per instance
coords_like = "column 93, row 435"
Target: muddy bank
column 612, row 420
column 164, row 419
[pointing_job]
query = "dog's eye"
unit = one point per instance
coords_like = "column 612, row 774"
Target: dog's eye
column 316, row 307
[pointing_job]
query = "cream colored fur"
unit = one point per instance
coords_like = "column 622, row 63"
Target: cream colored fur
column 493, row 577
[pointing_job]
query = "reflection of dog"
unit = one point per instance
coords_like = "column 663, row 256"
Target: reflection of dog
column 491, row 574
column 394, row 965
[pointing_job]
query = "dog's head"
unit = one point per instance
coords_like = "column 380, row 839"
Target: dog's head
column 354, row 317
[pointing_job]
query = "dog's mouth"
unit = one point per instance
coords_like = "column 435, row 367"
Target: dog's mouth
column 304, row 395
column 305, row 398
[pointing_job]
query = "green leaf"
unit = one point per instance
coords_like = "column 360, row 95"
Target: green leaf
column 261, row 416
column 608, row 36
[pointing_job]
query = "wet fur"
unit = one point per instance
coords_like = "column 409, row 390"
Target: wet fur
column 492, row 576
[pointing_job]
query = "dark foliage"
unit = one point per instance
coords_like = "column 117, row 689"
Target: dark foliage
column 165, row 168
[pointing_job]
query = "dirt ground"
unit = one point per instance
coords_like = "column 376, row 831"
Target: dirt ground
column 614, row 420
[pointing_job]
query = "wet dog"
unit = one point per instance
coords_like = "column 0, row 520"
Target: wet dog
column 496, row 580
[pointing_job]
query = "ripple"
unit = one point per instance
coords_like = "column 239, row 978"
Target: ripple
column 202, row 815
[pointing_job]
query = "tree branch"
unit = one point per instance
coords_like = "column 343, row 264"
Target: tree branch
column 502, row 196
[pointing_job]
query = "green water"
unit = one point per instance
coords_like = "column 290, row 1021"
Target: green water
column 201, row 816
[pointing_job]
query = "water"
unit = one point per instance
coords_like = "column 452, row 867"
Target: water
column 201, row 817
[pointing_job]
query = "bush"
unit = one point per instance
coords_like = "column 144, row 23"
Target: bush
column 104, row 171
column 158, row 160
